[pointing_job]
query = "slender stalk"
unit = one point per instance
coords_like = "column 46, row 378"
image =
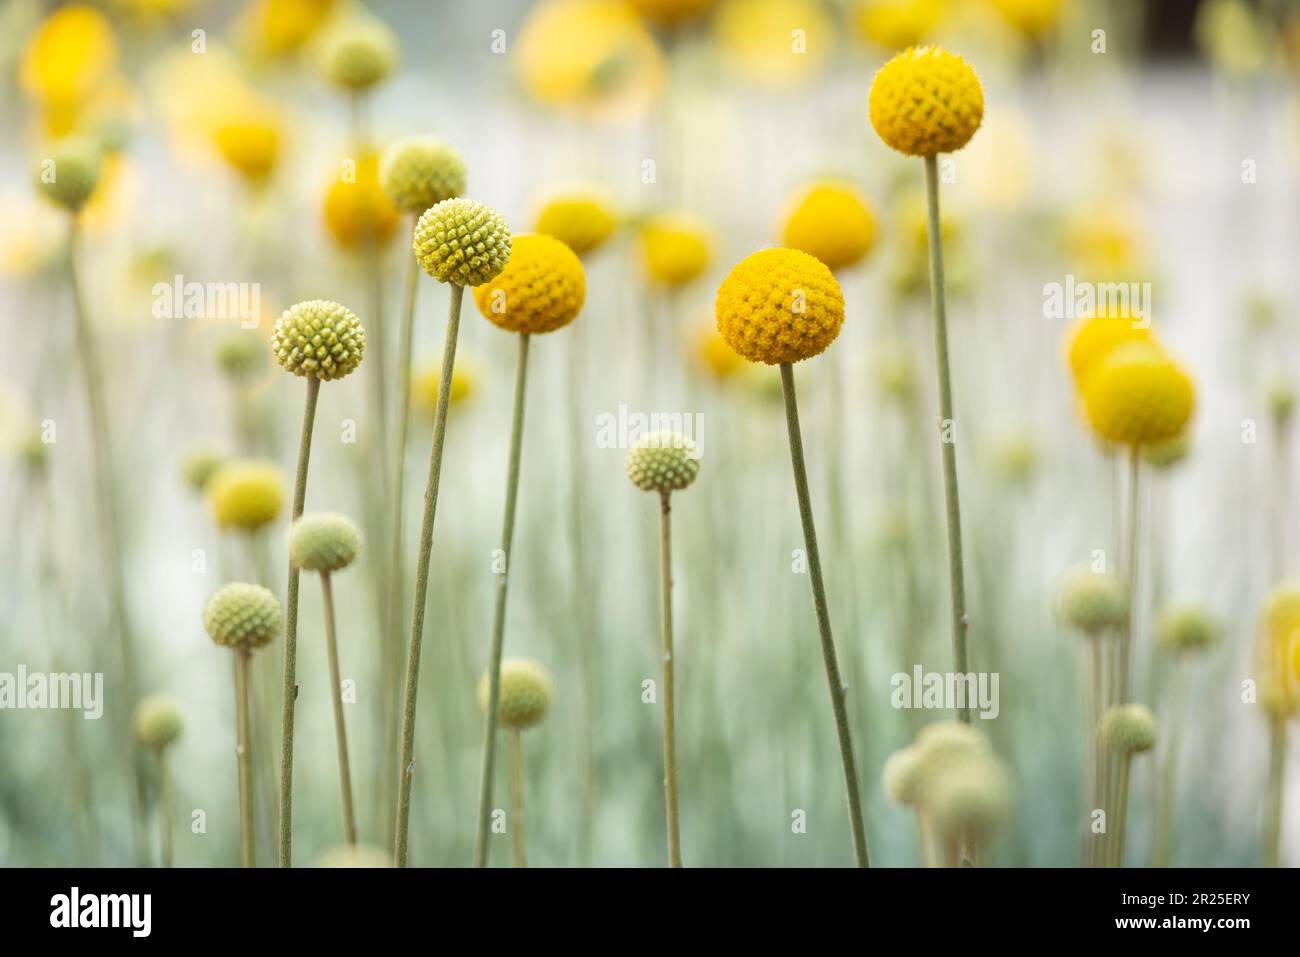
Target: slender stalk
column 165, row 808
column 1092, row 746
column 670, row 733
column 290, row 686
column 340, row 728
column 1121, row 808
column 1276, row 776
column 406, row 761
column 948, row 445
column 517, row 795
column 244, row 751
column 1131, row 574
column 829, row 658
column 1166, row 803
column 499, row 612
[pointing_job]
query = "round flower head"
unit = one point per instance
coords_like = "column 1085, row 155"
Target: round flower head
column 1127, row 728
column 1281, row 617
column 420, row 171
column 248, row 139
column 583, row 221
column 240, row 615
column 355, row 855
column 1163, row 455
column 1092, row 339
column 779, row 305
column 427, row 380
column 541, row 289
column 158, row 721
column 926, row 101
column 356, row 210
column 902, row 776
column 359, row 55
column 1281, row 403
column 323, row 542
column 663, row 462
column 1137, row 395
column 526, row 693
column 69, row 171
column 971, row 795
column 713, row 353
column 240, row 354
column 894, row 24
column 943, row 742
column 1092, row 601
column 462, row 242
column 318, row 338
column 832, row 222
column 246, row 494
column 198, row 467
column 1032, row 18
column 675, row 248
column 670, row 12
column 1016, row 457
column 1186, row 628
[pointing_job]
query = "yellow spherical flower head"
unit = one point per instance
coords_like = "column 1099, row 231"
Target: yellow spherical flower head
column 248, row 139
column 713, row 353
column 779, row 305
column 69, row 171
column 68, row 57
column 318, row 338
column 1032, row 18
column 926, row 101
column 199, row 466
column 541, row 289
column 1093, row 337
column 158, row 721
column 324, row 542
column 420, row 171
column 526, row 693
column 1281, row 614
column 895, row 24
column 427, row 379
column 246, row 494
column 356, row 210
column 583, row 221
column 1138, row 395
column 775, row 43
column 240, row 615
column 670, row 12
column 359, row 54
column 832, row 222
column 462, row 242
column 663, row 462
column 675, row 248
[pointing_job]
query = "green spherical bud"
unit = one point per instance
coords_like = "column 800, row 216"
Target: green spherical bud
column 462, row 242
column 1162, row 455
column 69, row 171
column 240, row 354
column 1186, row 628
column 663, row 462
column 903, row 775
column 245, row 616
column 1016, row 457
column 971, row 795
column 323, row 542
column 359, row 54
column 158, row 721
column 1092, row 601
column 943, row 742
column 199, row 466
column 354, row 855
column 318, row 338
column 526, row 692
column 1281, row 403
column 1127, row 728
column 420, row 171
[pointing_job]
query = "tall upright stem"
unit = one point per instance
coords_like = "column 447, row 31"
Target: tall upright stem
column 405, row 762
column 947, row 431
column 1092, row 746
column 499, row 612
column 290, row 686
column 1166, row 803
column 1121, row 808
column 165, row 808
column 670, row 733
column 244, row 751
column 829, row 658
column 1131, row 574
column 340, row 728
column 1276, row 776
column 517, row 796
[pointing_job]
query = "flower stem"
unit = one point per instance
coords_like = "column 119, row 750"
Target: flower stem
column 165, row 808
column 1276, row 776
column 290, row 686
column 517, row 795
column 244, row 751
column 405, row 762
column 833, row 679
column 340, row 729
column 499, row 612
column 1092, row 746
column 1121, row 808
column 670, row 734
column 1131, row 573
column 1166, row 803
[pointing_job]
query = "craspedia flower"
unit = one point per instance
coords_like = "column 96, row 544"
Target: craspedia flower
column 1127, row 728
column 903, row 775
column 1163, row 455
column 246, row 494
column 323, row 542
column 670, row 12
column 526, row 693
column 1186, row 628
column 942, row 742
column 356, row 210
column 583, row 221
column 926, row 101
column 158, row 721
column 1092, row 338
column 714, row 355
column 895, row 24
column 971, row 796
column 318, row 338
column 832, row 222
column 249, row 140
column 1138, row 395
column 1281, row 614
column 541, row 288
column 675, row 248
column 663, row 462
column 355, row 855
column 358, row 55
column 69, row 171
column 1092, row 601
column 198, row 467
column 420, row 171
column 240, row 615
column 463, row 242
column 426, row 381
column 1031, row 18
column 779, row 305
column 240, row 354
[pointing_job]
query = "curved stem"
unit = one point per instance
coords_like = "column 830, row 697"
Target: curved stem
column 1276, row 776
column 290, row 680
column 340, row 728
column 244, row 752
column 670, row 735
column 165, row 808
column 517, row 795
column 499, row 612
column 833, row 679
column 405, row 762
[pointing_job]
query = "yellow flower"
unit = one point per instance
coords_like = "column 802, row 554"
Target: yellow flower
column 1281, row 616
column 779, row 305
column 273, row 28
column 582, row 220
column 356, row 210
column 670, row 12
column 69, row 56
column 775, row 42
column 675, row 248
column 427, row 379
column 895, row 24
column 1137, row 395
column 1032, row 18
column 1092, row 338
column 1103, row 241
column 246, row 494
column 541, row 289
column 713, row 353
column 249, row 140
column 926, row 101
column 832, row 222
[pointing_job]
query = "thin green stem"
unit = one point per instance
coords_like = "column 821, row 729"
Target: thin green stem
column 1131, row 575
column 340, row 728
column 290, row 686
column 406, row 759
column 244, row 752
column 517, row 795
column 499, row 612
column 1092, row 746
column 670, row 733
column 1166, row 804
column 829, row 658
column 165, row 808
column 1121, row 809
column 1276, row 777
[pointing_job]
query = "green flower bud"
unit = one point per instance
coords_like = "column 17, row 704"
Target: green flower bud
column 245, row 616
column 198, row 467
column 240, row 354
column 419, row 171
column 69, row 171
column 1092, row 601
column 462, row 242
column 323, row 542
column 158, row 721
column 1186, row 628
column 1281, row 403
column 1127, row 728
column 663, row 462
column 318, row 338
column 359, row 54
column 1162, row 455
column 526, row 693
column 970, row 796
column 943, row 742
column 903, row 775
column 246, row 494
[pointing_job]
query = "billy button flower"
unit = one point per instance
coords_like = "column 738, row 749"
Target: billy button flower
column 1092, row 338
column 540, row 290
column 524, row 697
column 831, row 221
column 1278, row 658
column 243, row 617
column 581, row 219
column 780, row 306
column 1124, row 730
column 246, row 495
column 676, row 249
column 894, row 24
column 158, row 723
column 199, row 465
column 321, row 341
column 665, row 462
column 462, row 243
